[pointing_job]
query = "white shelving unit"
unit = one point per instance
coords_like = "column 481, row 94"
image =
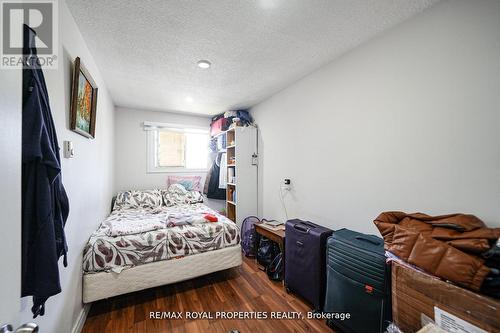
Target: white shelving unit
column 241, row 192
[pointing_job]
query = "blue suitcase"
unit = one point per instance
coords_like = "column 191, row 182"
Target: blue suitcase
column 305, row 259
column 358, row 282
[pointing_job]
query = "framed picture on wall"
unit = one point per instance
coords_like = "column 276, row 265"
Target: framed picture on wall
column 83, row 101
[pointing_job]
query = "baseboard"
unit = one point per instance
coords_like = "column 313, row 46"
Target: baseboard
column 80, row 321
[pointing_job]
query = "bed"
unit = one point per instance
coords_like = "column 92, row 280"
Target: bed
column 134, row 249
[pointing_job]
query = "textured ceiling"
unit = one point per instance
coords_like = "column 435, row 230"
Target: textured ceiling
column 147, row 50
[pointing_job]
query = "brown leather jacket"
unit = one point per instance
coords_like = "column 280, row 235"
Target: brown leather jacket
column 446, row 246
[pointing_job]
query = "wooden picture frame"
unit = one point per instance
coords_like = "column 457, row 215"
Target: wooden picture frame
column 83, row 101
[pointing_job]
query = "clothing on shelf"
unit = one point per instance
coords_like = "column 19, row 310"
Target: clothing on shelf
column 221, row 142
column 223, row 171
column 230, row 114
column 219, row 125
column 245, row 117
column 224, row 121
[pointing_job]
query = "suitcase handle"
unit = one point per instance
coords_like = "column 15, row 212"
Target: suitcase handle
column 369, row 240
column 301, row 228
column 309, row 224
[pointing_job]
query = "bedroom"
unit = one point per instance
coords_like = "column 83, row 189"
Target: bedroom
column 331, row 112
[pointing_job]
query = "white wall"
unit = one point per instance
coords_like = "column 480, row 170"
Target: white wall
column 10, row 195
column 88, row 178
column 409, row 121
column 130, row 151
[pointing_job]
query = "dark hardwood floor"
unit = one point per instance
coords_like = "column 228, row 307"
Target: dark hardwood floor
column 245, row 288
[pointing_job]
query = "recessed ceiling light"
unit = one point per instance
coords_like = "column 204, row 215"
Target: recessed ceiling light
column 189, row 99
column 204, row 64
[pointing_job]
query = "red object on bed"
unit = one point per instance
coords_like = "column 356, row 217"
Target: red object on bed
column 210, row 217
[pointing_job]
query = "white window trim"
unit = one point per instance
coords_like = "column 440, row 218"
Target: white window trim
column 151, row 128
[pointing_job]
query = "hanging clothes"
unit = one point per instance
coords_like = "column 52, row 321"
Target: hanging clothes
column 214, row 192
column 223, row 171
column 212, row 146
column 207, row 181
column 45, row 204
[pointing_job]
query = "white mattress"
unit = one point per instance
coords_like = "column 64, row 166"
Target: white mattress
column 108, row 284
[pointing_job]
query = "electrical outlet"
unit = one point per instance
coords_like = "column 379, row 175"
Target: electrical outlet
column 255, row 159
column 286, row 184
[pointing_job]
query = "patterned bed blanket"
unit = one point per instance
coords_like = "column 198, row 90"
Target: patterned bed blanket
column 150, row 241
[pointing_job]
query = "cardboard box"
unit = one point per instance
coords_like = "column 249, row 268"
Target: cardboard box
column 415, row 293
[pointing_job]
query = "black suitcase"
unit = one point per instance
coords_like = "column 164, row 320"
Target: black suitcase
column 305, row 258
column 358, row 282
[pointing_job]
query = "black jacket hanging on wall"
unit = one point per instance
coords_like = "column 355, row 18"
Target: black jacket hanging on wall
column 44, row 201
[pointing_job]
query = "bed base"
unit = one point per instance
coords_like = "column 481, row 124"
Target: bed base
column 102, row 285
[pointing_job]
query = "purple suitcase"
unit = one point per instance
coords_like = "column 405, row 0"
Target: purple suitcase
column 305, row 260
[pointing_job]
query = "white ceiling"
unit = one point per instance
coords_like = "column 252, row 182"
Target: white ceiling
column 148, row 50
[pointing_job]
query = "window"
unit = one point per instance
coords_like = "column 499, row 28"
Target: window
column 171, row 149
column 174, row 148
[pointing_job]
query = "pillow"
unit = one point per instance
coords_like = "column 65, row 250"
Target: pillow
column 190, row 183
column 148, row 199
column 176, row 194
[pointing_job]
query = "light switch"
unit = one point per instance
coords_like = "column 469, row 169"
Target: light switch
column 68, row 149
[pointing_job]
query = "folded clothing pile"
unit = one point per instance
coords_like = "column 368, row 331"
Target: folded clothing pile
column 223, row 121
column 456, row 247
column 174, row 220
